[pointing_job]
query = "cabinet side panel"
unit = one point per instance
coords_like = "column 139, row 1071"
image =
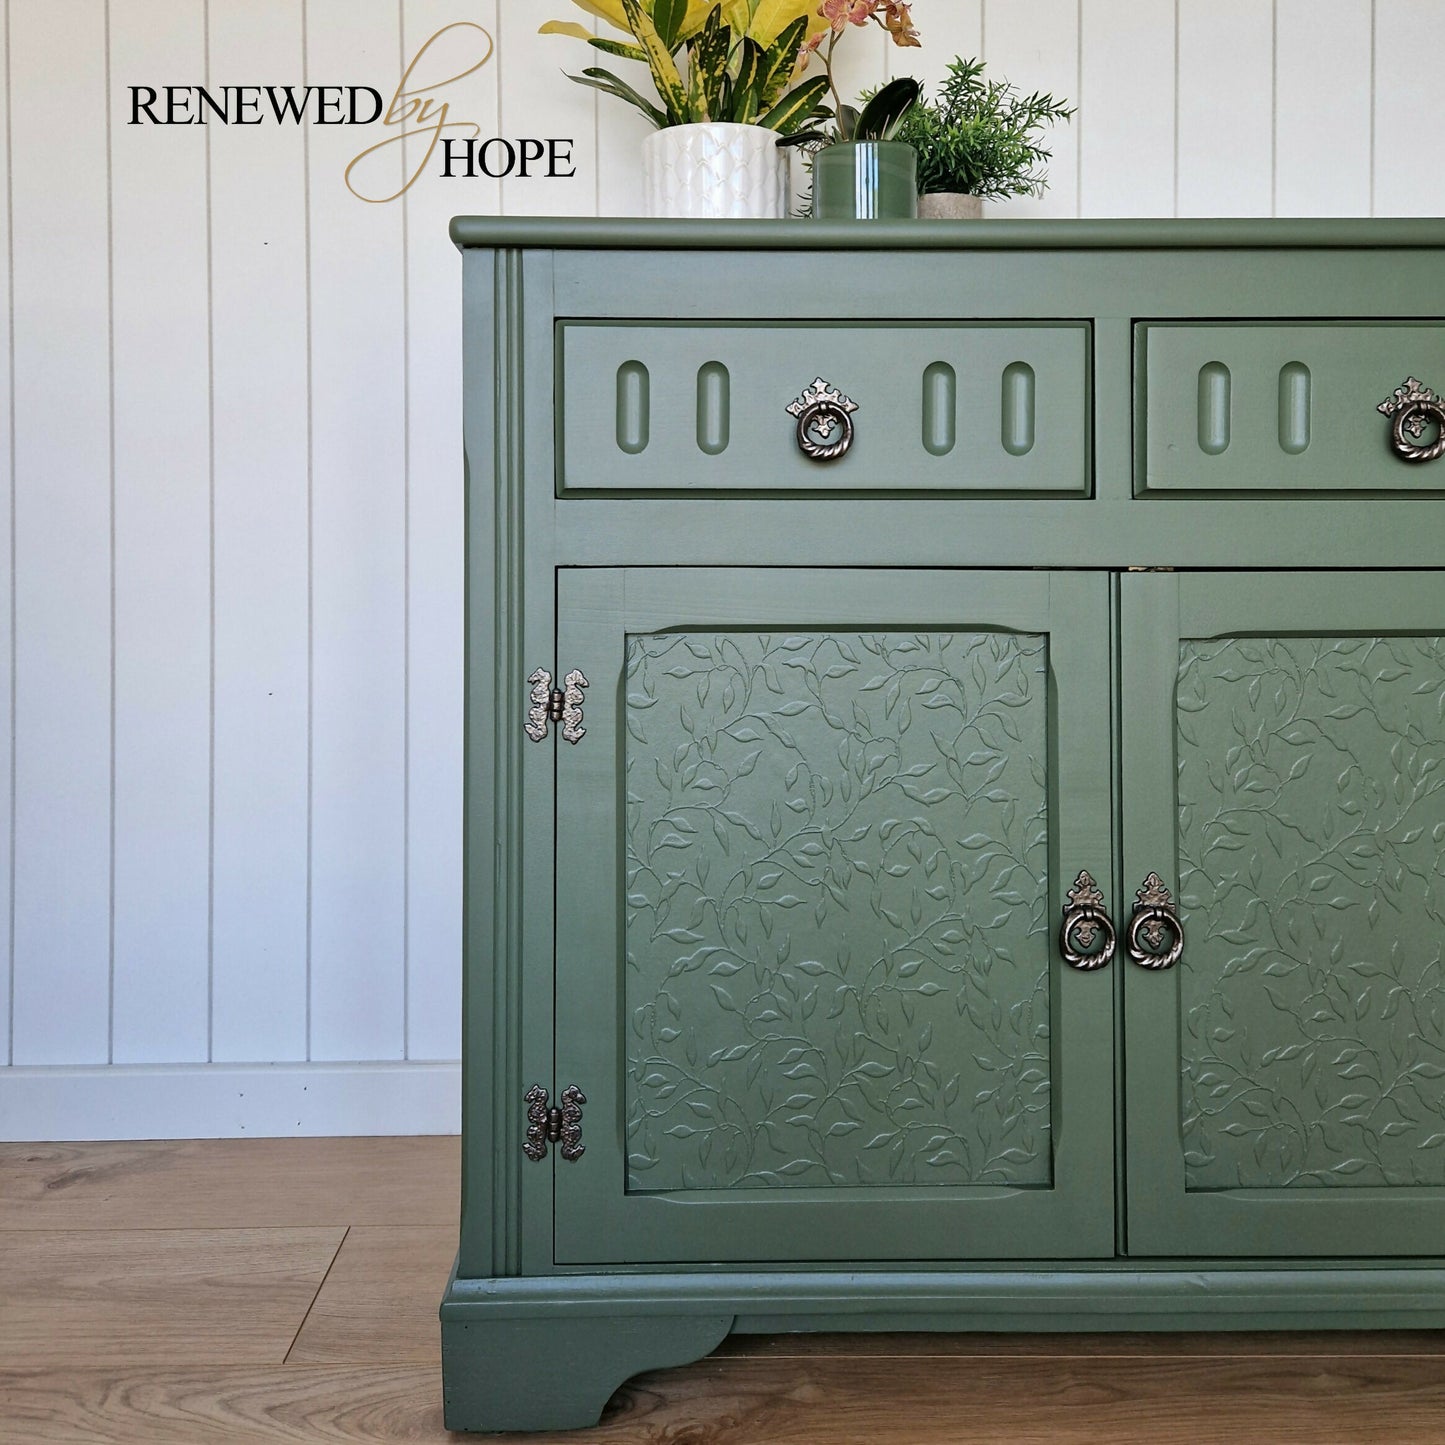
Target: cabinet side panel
column 488, row 278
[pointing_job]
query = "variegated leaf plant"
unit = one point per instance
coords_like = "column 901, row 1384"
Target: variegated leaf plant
column 711, row 60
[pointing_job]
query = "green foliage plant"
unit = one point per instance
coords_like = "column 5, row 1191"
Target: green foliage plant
column 881, row 118
column 981, row 137
column 883, row 115
column 729, row 66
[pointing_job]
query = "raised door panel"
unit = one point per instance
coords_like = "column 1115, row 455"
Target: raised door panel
column 1284, row 752
column 811, row 853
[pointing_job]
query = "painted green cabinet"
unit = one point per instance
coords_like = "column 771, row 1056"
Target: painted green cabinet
column 955, row 793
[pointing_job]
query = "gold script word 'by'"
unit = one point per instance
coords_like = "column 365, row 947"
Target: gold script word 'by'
column 419, row 113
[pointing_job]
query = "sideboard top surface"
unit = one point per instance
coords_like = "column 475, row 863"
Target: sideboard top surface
column 589, row 233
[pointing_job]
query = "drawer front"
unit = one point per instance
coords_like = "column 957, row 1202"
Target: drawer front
column 1265, row 407
column 703, row 408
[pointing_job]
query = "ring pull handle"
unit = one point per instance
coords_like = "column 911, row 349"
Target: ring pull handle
column 825, row 421
column 1412, row 408
column 1085, row 923
column 1156, row 936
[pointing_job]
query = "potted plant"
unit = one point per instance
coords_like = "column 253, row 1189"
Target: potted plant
column 860, row 171
column 728, row 79
column 978, row 140
column 861, row 168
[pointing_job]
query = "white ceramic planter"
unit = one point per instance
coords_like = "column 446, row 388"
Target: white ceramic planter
column 715, row 171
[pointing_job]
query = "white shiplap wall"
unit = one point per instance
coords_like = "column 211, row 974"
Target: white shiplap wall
column 230, row 643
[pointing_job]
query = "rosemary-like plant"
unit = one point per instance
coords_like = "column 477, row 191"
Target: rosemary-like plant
column 981, row 137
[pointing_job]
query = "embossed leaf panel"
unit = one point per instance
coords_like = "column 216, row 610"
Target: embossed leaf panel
column 1308, row 816
column 837, row 889
column 1311, row 819
column 815, row 981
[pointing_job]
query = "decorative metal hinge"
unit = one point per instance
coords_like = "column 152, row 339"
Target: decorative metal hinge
column 561, row 1126
column 550, row 704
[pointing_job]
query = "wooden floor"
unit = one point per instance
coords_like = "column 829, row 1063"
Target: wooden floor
column 286, row 1290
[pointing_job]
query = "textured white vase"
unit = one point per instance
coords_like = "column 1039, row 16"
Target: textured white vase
column 715, row 171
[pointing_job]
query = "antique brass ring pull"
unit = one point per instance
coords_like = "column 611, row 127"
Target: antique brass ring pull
column 1150, row 928
column 822, row 411
column 1411, row 409
column 1084, row 921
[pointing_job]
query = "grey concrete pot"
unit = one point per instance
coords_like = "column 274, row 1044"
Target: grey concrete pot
column 950, row 206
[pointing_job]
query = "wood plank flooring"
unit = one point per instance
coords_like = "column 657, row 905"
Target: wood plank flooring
column 243, row 1293
column 149, row 1296
column 229, row 1183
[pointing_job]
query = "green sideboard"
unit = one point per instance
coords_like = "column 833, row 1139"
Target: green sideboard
column 955, row 790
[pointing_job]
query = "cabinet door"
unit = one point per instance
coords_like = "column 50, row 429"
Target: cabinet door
column 1284, row 773
column 811, row 858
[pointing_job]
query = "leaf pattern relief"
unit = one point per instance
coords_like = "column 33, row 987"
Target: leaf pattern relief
column 837, row 953
column 1312, row 849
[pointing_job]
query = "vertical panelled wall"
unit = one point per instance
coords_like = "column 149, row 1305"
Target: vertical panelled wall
column 230, row 630
column 230, row 649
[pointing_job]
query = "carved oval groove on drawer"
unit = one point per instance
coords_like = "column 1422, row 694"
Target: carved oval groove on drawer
column 940, row 409
column 987, row 407
column 714, row 402
column 1018, row 415
column 1294, row 407
column 634, row 407
column 1215, row 385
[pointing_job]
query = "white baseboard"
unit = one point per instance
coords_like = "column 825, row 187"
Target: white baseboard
column 228, row 1101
